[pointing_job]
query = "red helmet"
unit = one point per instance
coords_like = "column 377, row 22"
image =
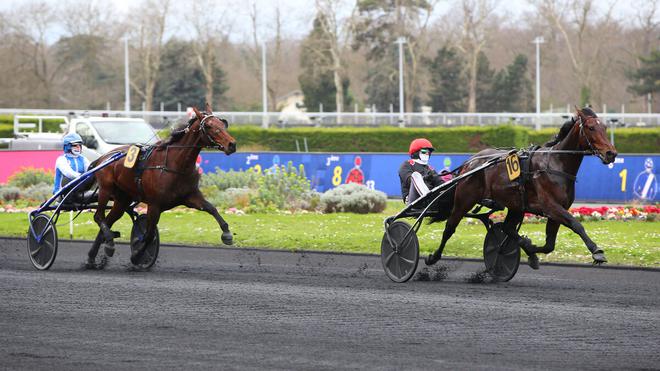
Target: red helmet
column 418, row 144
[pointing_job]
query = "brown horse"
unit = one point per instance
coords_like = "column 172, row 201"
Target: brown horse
column 548, row 187
column 167, row 178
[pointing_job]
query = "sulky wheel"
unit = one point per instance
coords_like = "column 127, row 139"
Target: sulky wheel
column 501, row 254
column 42, row 242
column 151, row 252
column 399, row 257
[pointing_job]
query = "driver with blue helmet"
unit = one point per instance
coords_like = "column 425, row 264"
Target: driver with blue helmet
column 72, row 163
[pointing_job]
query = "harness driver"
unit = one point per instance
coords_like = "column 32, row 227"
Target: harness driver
column 416, row 175
column 71, row 164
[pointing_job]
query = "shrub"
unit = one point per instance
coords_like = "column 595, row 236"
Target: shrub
column 354, row 198
column 464, row 139
column 239, row 198
column 28, row 176
column 37, row 192
column 223, row 180
column 9, row 193
column 285, row 189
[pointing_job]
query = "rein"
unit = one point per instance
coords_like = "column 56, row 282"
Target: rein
column 184, row 131
column 551, row 151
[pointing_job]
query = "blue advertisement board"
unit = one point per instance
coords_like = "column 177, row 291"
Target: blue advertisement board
column 629, row 178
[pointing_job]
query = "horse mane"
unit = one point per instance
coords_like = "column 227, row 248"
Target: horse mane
column 563, row 132
column 566, row 128
column 177, row 133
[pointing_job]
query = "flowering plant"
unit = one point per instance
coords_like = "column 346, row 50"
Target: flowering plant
column 593, row 213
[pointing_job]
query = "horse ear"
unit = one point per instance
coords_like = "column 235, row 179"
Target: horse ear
column 208, row 108
column 578, row 112
column 197, row 113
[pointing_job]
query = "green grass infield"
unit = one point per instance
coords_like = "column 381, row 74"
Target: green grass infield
column 631, row 243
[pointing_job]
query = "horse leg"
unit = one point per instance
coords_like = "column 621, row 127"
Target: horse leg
column 561, row 215
column 99, row 218
column 551, row 229
column 91, row 255
column 117, row 211
column 510, row 227
column 197, row 201
column 106, row 222
column 457, row 214
column 153, row 216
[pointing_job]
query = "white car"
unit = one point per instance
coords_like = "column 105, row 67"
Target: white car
column 99, row 134
column 103, row 134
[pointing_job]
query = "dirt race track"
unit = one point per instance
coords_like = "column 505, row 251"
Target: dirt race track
column 231, row 309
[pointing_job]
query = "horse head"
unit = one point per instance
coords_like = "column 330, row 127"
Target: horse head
column 214, row 131
column 593, row 135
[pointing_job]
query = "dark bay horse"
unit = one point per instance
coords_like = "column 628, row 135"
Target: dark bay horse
column 549, row 188
column 168, row 178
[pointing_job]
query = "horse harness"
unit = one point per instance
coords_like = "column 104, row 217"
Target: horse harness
column 525, row 157
column 146, row 151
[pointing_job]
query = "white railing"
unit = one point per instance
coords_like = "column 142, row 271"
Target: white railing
column 365, row 119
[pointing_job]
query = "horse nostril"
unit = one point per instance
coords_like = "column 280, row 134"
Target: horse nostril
column 611, row 154
column 232, row 146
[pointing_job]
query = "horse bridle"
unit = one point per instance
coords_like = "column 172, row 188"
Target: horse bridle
column 202, row 127
column 586, row 137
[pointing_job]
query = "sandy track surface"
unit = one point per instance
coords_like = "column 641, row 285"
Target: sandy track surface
column 247, row 309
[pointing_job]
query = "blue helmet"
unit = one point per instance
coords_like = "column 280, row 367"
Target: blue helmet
column 69, row 140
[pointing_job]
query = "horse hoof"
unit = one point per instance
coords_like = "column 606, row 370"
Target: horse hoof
column 431, row 259
column 533, row 261
column 135, row 258
column 525, row 243
column 91, row 264
column 101, row 265
column 109, row 249
column 599, row 257
column 227, row 238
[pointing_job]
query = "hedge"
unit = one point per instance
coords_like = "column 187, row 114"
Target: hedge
column 7, row 125
column 388, row 139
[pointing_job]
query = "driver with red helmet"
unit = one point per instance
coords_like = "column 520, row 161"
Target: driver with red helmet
column 416, row 175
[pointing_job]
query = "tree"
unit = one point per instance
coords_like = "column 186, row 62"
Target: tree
column 150, row 26
column 585, row 35
column 209, row 35
column 511, row 87
column 647, row 77
column 474, row 38
column 88, row 53
column 448, row 83
column 648, row 23
column 327, row 44
column 486, row 76
column 182, row 79
column 318, row 78
column 89, row 75
column 29, row 26
column 274, row 54
column 379, row 24
column 321, row 90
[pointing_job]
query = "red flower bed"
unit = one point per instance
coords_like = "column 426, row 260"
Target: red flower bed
column 648, row 212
